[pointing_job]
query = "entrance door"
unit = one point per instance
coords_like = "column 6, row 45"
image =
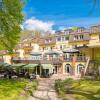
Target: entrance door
column 68, row 69
column 55, row 70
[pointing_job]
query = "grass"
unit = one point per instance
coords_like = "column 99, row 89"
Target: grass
column 12, row 89
column 82, row 89
column 86, row 90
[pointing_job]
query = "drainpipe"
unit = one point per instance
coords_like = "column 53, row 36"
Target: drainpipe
column 36, row 70
column 40, row 70
column 92, row 53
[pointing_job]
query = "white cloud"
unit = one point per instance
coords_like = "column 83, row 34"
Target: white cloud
column 36, row 24
column 62, row 28
column 22, row 27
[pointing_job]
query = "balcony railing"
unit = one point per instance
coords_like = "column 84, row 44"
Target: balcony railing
column 42, row 61
column 49, row 61
column 78, row 59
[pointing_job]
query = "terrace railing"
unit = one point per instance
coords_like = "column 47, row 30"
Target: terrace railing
column 78, row 59
column 42, row 61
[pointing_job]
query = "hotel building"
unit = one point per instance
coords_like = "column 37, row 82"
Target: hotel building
column 65, row 52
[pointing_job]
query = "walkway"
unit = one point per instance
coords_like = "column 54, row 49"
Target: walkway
column 45, row 90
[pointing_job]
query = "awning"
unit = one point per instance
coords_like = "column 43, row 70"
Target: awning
column 1, row 63
column 30, row 66
column 5, row 65
column 47, row 66
column 20, row 65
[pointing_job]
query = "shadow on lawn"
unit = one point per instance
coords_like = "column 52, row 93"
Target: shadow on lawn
column 89, row 95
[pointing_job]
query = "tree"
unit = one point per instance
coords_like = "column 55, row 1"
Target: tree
column 11, row 18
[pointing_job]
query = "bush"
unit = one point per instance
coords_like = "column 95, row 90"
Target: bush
column 59, row 87
column 31, row 87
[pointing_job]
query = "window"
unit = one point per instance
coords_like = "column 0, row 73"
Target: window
column 51, row 48
column 75, row 46
column 60, row 47
column 68, row 69
column 80, row 67
column 66, row 38
column 99, row 37
column 81, row 37
column 76, row 37
column 63, row 38
column 59, row 39
column 48, row 40
column 64, row 46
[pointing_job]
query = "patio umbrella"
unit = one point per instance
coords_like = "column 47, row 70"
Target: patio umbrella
column 36, row 53
column 71, row 51
column 52, row 52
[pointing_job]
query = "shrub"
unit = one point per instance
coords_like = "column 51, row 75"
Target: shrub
column 59, row 87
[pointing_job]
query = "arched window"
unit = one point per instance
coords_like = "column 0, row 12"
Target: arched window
column 79, row 68
column 68, row 68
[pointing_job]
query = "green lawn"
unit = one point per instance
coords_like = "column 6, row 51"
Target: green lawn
column 11, row 89
column 80, row 89
column 86, row 90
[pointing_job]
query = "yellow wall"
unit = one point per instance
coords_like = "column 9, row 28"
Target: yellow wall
column 91, row 52
column 94, row 41
column 79, row 43
column 63, row 43
column 74, row 67
column 7, row 59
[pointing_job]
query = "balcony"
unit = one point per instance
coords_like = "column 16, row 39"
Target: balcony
column 42, row 61
column 78, row 59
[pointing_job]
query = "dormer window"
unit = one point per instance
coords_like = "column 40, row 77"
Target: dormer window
column 48, row 40
column 63, row 38
column 76, row 37
column 81, row 37
column 59, row 39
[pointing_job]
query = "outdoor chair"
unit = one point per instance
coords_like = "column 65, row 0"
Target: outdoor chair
column 14, row 77
column 1, row 75
column 32, row 76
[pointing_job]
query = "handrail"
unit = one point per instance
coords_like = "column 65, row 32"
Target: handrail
column 87, row 64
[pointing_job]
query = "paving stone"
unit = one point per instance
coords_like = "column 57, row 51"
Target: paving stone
column 45, row 90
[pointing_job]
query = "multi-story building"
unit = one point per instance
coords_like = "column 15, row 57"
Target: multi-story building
column 69, row 52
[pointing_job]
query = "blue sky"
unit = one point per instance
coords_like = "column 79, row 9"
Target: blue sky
column 63, row 13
